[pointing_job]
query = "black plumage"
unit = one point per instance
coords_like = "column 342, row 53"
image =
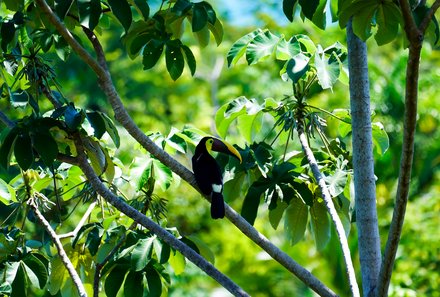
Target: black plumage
column 208, row 173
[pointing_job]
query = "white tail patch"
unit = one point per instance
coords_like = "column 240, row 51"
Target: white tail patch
column 217, row 188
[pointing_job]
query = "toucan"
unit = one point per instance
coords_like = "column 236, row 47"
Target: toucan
column 208, row 173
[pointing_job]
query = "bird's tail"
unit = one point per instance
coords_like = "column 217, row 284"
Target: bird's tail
column 217, row 206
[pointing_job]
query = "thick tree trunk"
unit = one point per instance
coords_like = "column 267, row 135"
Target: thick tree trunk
column 363, row 163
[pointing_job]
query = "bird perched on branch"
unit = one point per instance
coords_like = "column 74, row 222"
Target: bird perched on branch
column 208, row 173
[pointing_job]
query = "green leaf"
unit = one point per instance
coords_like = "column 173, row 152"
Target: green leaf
column 261, row 46
column 46, row 147
column 62, row 7
column 122, row 11
column 20, row 98
column 23, row 151
column 7, row 33
column 151, row 54
column 176, row 142
column 217, row 31
column 134, row 286
column 388, row 17
column 89, row 13
column 7, row 194
column 141, row 253
column 308, row 7
column 93, row 239
column 203, row 36
column 320, row 15
column 297, row 67
column 114, row 280
column 174, row 59
column 238, row 49
column 154, row 284
column 73, row 117
column 251, row 201
column 362, row 21
column 295, row 220
column 381, row 141
column 177, row 262
column 97, row 122
column 19, row 285
column 162, row 251
column 276, row 214
column 190, row 60
column 288, row 9
column 287, row 49
column 14, row 5
column 6, row 289
column 143, row 6
column 199, row 17
column 7, row 146
column 111, row 129
column 212, row 17
column 162, row 174
column 336, row 182
column 320, row 225
column 327, row 69
column 38, row 268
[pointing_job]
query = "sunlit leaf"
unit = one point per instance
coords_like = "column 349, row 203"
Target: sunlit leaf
column 362, row 21
column 287, row 49
column 7, row 195
column 276, row 214
column 297, row 67
column 216, row 30
column 238, row 49
column 203, row 36
column 141, row 253
column 177, row 262
column 261, row 46
column 336, row 182
column 111, row 129
column 327, row 69
column 381, row 141
column 162, row 174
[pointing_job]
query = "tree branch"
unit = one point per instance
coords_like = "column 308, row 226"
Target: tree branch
column 141, row 219
column 354, row 288
column 428, row 17
column 406, row 161
column 126, row 121
column 64, row 258
column 363, row 162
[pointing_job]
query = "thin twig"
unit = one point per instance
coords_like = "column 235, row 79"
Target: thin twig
column 126, row 121
column 428, row 17
column 354, row 288
column 63, row 256
column 81, row 222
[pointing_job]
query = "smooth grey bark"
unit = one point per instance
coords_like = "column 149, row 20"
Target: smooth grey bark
column 363, row 162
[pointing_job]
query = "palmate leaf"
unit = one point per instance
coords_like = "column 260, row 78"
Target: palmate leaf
column 134, row 284
column 297, row 67
column 199, row 17
column 154, row 284
column 327, row 69
column 174, row 58
column 261, row 46
column 114, row 280
column 287, row 49
column 238, row 49
column 141, row 253
column 388, row 17
column 252, row 200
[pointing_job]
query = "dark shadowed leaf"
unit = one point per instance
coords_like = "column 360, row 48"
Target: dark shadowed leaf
column 154, row 284
column 297, row 67
column 190, row 60
column 151, row 54
column 7, row 32
column 39, row 268
column 7, row 146
column 113, row 281
column 388, row 17
column 121, row 9
column 288, row 8
column 251, row 201
column 23, row 151
column 97, row 122
column 45, row 146
column 111, row 130
column 134, row 284
column 143, row 6
column 308, row 7
column 89, row 13
column 276, row 214
column 174, row 59
column 199, row 17
column 62, row 7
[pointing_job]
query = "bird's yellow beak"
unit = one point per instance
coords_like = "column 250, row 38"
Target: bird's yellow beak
column 224, row 147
